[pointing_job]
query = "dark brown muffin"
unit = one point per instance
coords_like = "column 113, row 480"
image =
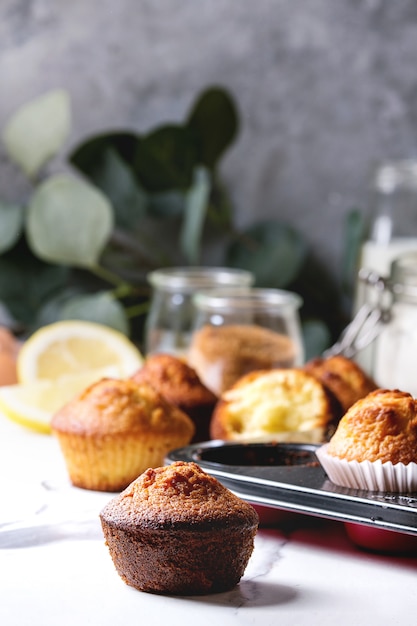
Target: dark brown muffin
column 114, row 430
column 180, row 385
column 177, row 530
column 345, row 378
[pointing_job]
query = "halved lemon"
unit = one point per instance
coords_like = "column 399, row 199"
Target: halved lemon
column 33, row 404
column 72, row 347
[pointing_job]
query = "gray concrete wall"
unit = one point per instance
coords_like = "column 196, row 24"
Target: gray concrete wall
column 325, row 88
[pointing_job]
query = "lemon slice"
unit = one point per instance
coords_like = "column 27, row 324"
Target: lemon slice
column 72, row 347
column 33, row 404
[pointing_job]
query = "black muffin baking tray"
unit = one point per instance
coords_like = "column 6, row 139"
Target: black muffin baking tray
column 289, row 477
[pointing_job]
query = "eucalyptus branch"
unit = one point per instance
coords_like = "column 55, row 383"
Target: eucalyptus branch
column 137, row 309
column 123, row 291
column 125, row 241
column 109, row 277
column 135, row 248
column 140, row 181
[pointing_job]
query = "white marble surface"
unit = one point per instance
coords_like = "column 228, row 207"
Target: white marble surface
column 303, row 570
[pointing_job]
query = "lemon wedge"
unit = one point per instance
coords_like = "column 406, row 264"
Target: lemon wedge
column 33, row 404
column 72, row 347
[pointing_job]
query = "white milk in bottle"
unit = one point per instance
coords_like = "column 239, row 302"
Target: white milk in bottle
column 393, row 233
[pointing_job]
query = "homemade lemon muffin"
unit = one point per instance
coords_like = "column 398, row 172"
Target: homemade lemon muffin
column 223, row 354
column 345, row 378
column 180, row 385
column 380, row 427
column 177, row 530
column 114, row 430
column 285, row 404
column 375, row 444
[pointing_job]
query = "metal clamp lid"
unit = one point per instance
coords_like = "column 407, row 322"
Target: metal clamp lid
column 368, row 321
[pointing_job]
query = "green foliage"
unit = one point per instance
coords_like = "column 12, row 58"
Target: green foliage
column 355, row 234
column 27, row 283
column 272, row 250
column 99, row 307
column 68, row 222
column 128, row 202
column 37, row 130
column 215, row 124
column 11, row 220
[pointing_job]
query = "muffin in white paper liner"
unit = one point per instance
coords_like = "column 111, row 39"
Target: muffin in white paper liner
column 373, row 476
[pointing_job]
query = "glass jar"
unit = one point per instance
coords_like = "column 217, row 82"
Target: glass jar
column 171, row 314
column 394, row 352
column 392, row 232
column 238, row 331
column 393, row 228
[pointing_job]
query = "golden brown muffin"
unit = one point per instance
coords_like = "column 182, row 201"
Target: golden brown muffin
column 345, row 378
column 285, row 404
column 380, row 427
column 114, row 430
column 9, row 348
column 223, row 354
column 180, row 385
column 177, row 530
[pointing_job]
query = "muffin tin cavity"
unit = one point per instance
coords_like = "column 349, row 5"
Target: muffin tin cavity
column 270, row 454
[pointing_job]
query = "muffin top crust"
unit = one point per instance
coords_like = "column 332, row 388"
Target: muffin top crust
column 177, row 381
column 380, row 427
column 345, row 378
column 116, row 406
column 180, row 496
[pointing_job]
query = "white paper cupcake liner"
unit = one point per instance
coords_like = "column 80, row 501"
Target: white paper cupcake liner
column 372, row 476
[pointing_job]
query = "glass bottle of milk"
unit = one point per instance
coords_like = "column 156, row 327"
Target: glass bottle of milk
column 393, row 230
column 394, row 225
column 395, row 349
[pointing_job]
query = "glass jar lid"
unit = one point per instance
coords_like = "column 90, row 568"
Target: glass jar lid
column 257, row 299
column 393, row 174
column 190, row 279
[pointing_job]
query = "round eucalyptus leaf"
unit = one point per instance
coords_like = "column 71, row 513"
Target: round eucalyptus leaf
column 166, row 204
column 11, row 223
column 38, row 130
column 197, row 200
column 50, row 310
column 107, row 160
column 100, row 307
column 69, row 222
column 119, row 184
column 26, row 283
column 214, row 120
column 355, row 232
column 165, row 158
column 273, row 251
